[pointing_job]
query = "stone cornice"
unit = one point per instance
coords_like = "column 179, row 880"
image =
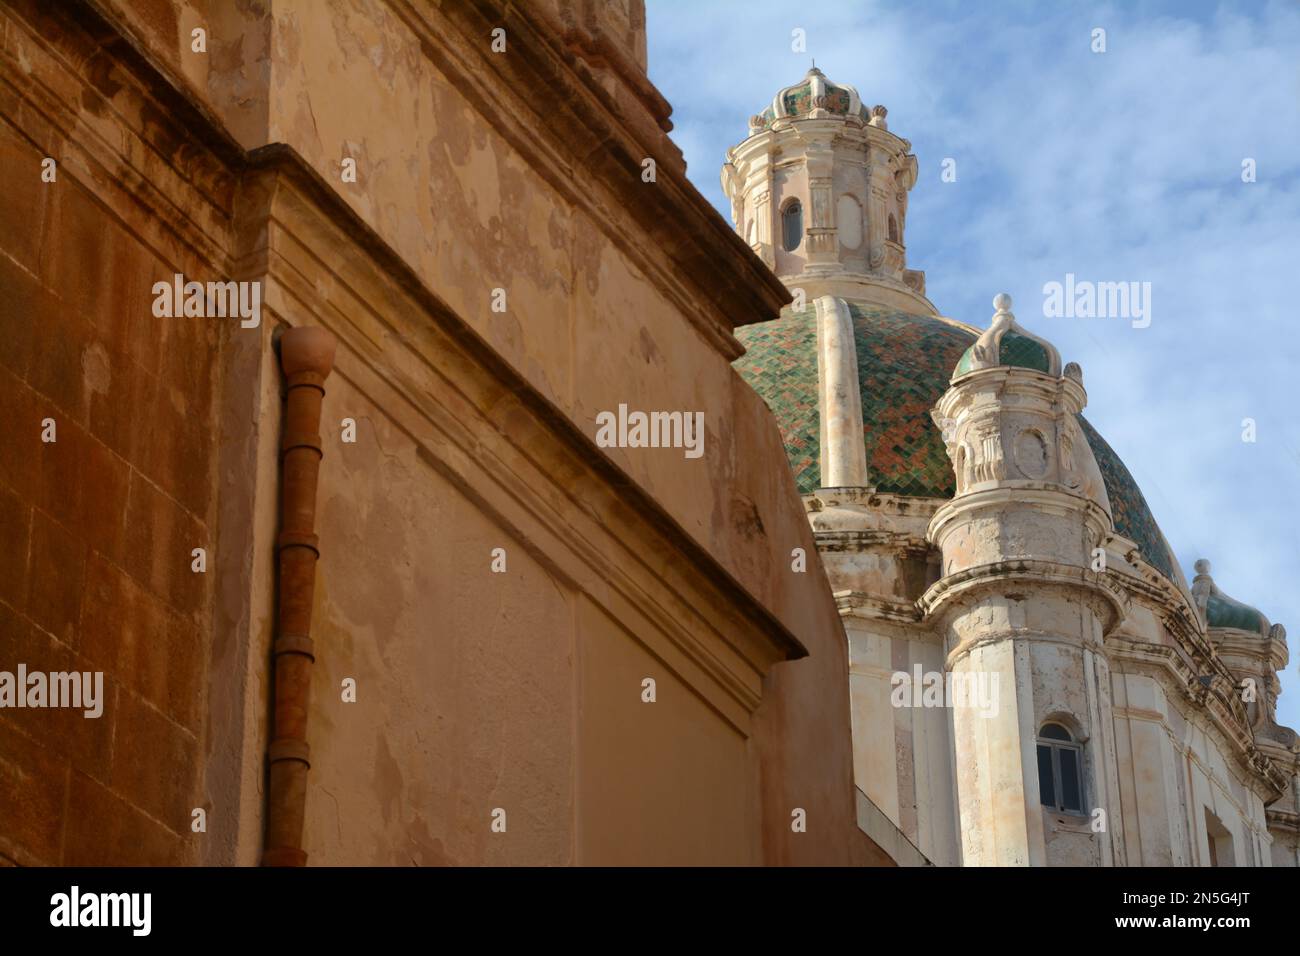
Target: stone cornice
column 1284, row 821
column 1217, row 700
column 1042, row 497
column 597, row 48
column 848, row 129
column 871, row 607
column 877, row 502
column 1031, row 572
column 873, row 539
column 848, row 517
column 868, row 288
column 1250, row 645
column 1172, row 608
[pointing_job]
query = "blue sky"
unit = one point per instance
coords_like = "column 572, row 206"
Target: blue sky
column 1116, row 166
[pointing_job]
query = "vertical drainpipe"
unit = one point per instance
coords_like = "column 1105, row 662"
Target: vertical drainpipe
column 306, row 357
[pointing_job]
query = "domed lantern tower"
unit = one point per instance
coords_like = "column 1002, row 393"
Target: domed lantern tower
column 819, row 191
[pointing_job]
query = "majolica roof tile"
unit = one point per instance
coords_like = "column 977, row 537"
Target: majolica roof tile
column 780, row 363
column 1223, row 611
column 1017, row 350
column 905, row 362
column 1133, row 519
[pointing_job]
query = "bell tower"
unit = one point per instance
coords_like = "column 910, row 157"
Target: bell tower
column 819, row 190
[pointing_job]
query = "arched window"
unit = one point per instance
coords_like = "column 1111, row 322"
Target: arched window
column 893, row 228
column 792, row 225
column 1060, row 769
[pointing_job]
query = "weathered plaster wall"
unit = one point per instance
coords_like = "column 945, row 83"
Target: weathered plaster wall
column 589, row 327
column 231, row 78
column 662, row 784
column 673, row 781
column 465, row 684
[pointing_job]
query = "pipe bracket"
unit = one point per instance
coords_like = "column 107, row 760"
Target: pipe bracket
column 287, row 748
column 297, row 539
column 295, row 644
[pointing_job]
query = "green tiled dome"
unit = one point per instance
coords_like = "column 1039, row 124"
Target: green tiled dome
column 1128, row 507
column 1223, row 611
column 905, row 362
column 1015, row 350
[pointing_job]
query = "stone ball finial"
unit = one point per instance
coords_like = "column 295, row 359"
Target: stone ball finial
column 1202, row 566
column 1074, row 371
column 1002, row 303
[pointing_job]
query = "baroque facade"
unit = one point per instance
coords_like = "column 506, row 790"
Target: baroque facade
column 1033, row 681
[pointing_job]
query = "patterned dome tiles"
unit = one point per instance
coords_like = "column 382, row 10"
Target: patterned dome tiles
column 905, row 362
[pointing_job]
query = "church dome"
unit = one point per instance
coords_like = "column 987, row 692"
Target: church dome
column 905, row 362
column 814, row 96
column 1019, row 351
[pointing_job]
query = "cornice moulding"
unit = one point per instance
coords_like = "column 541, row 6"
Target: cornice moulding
column 1225, row 712
column 973, row 583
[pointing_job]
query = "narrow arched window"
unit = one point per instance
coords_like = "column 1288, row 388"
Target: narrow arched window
column 1060, row 769
column 893, row 228
column 792, row 225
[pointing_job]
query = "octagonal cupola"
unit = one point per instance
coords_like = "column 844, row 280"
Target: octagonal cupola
column 816, row 97
column 819, row 190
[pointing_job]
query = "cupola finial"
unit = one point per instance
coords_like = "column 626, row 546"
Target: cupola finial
column 1004, row 342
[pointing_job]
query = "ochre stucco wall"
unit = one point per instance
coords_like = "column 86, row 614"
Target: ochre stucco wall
column 465, row 683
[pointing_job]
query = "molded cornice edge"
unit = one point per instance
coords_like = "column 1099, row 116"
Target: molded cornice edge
column 1217, row 701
